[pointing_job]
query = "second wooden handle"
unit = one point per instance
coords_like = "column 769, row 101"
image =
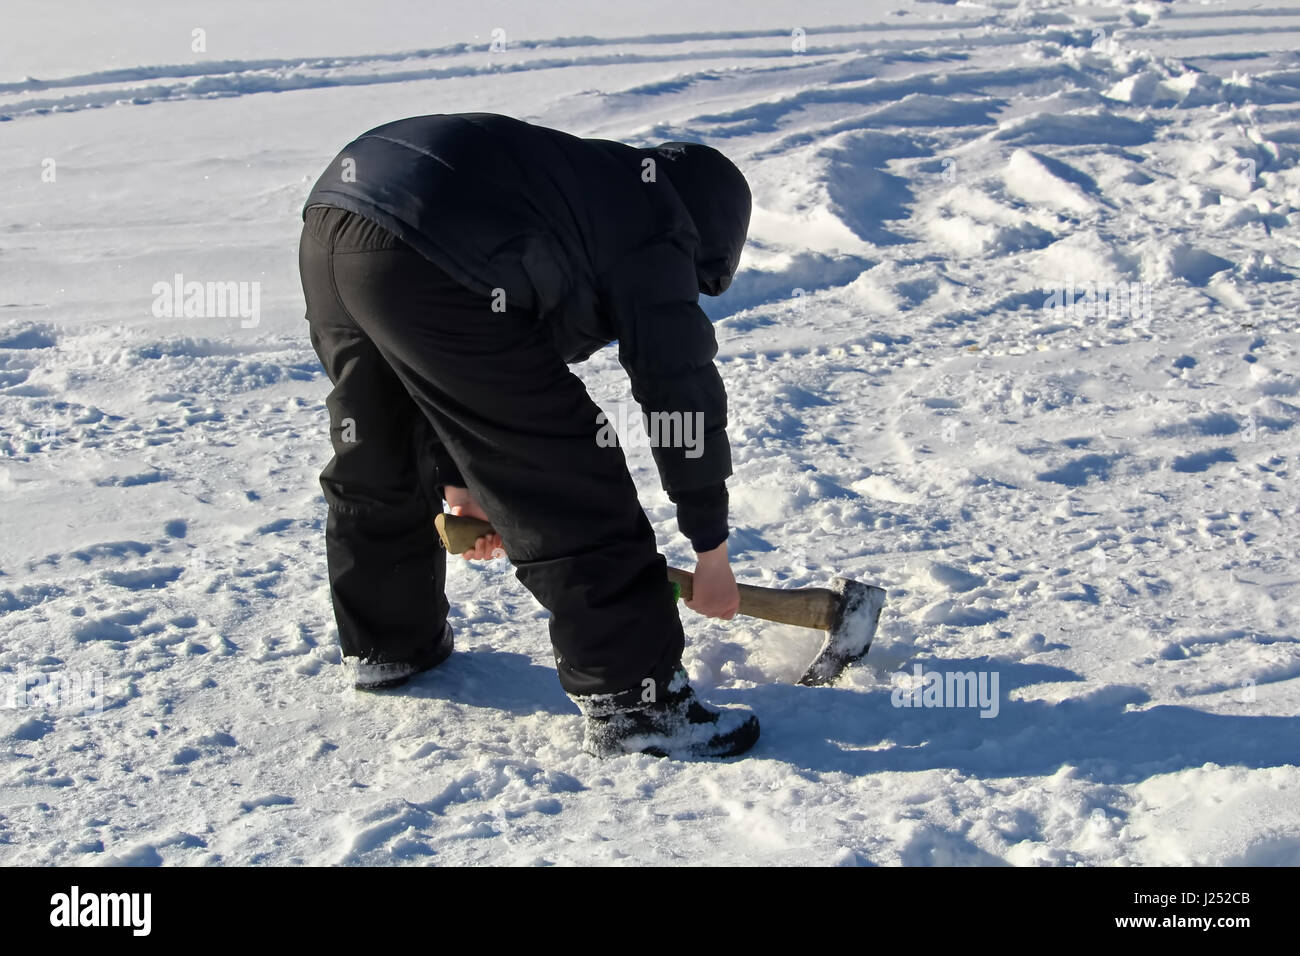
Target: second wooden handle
column 459, row 532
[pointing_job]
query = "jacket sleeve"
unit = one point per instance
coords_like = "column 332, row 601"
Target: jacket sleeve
column 702, row 515
column 667, row 346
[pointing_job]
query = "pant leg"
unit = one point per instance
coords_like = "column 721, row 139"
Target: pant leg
column 522, row 431
column 386, row 571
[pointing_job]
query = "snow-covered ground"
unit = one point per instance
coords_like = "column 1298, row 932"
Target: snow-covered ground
column 1094, row 507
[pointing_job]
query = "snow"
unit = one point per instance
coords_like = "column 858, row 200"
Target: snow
column 1084, row 494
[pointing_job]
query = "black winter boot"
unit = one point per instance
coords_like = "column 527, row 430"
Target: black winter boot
column 674, row 725
column 382, row 675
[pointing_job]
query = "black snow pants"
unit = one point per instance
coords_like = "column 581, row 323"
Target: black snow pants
column 433, row 387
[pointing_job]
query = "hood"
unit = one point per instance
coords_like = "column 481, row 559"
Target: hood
column 717, row 197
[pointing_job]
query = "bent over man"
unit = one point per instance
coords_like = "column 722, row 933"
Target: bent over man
column 453, row 266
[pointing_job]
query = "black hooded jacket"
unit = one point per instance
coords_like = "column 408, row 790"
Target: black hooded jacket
column 602, row 240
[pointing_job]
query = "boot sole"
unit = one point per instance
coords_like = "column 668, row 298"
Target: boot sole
column 732, row 744
column 442, row 652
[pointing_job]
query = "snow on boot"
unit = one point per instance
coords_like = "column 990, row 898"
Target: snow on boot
column 381, row 675
column 675, row 725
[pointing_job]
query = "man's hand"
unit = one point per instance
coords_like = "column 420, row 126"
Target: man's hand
column 461, row 502
column 716, row 594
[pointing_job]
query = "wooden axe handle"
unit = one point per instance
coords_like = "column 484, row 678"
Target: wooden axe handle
column 802, row 607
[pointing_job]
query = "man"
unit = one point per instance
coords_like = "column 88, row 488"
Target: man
column 452, row 266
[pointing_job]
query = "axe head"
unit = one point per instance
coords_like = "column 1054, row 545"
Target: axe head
column 852, row 628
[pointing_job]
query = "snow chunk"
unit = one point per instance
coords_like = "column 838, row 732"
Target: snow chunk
column 1028, row 177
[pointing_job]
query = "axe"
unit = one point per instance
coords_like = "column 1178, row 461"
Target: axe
column 848, row 611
